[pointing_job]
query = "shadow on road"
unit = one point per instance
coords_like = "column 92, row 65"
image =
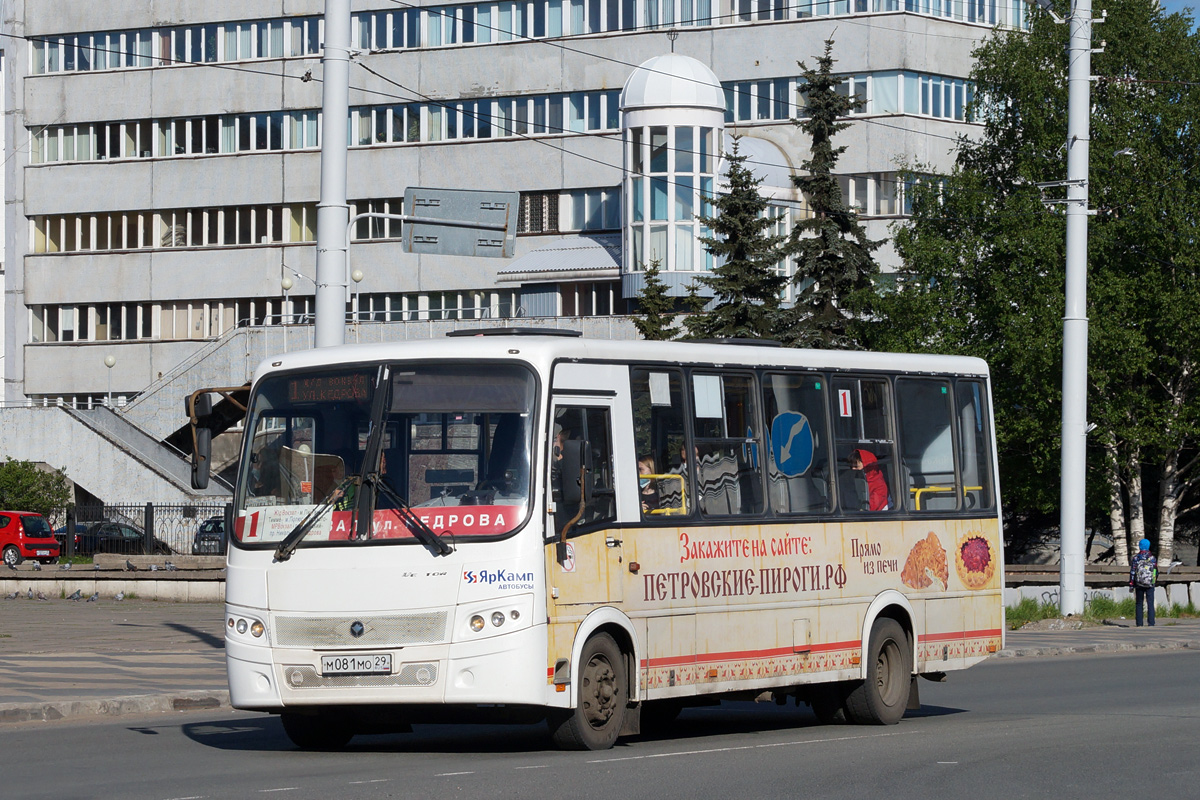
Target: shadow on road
column 216, row 642
column 265, row 734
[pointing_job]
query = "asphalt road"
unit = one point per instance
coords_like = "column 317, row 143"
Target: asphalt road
column 1081, row 726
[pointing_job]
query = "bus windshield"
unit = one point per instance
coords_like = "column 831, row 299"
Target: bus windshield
column 454, row 446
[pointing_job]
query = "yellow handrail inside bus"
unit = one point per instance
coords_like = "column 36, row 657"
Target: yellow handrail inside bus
column 682, row 508
column 939, row 489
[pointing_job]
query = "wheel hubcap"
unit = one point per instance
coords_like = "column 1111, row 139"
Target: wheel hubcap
column 599, row 692
column 888, row 684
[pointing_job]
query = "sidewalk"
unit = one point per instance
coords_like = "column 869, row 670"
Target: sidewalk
column 61, row 659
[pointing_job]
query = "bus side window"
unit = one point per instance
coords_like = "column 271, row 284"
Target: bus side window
column 865, row 449
column 927, row 444
column 581, row 470
column 659, row 439
column 798, row 443
column 974, row 445
column 727, row 435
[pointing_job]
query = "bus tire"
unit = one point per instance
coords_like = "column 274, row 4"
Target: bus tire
column 883, row 697
column 316, row 731
column 603, row 694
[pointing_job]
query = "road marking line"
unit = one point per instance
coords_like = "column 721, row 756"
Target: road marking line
column 281, row 789
column 193, row 797
column 376, row 780
column 947, row 762
column 535, row 766
column 451, row 774
column 747, row 747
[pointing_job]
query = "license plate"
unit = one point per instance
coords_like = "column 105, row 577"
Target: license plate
column 357, row 664
column 43, row 552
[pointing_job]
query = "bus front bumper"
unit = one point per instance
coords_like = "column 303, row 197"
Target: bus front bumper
column 503, row 669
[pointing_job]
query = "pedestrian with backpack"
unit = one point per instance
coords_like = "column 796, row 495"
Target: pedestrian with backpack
column 1143, row 572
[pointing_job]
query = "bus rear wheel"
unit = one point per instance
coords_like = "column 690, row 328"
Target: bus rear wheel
column 883, row 697
column 603, row 694
column 316, row 731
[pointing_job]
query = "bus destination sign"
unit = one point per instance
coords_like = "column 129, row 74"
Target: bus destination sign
column 354, row 387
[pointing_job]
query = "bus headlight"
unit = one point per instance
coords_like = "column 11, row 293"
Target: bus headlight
column 241, row 626
column 256, row 630
column 497, row 618
column 477, row 623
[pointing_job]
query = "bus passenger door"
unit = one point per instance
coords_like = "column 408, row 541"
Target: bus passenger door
column 584, row 557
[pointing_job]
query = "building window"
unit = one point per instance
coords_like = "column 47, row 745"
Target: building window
column 198, row 227
column 538, row 212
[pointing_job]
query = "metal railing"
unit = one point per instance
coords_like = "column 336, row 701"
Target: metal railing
column 145, row 529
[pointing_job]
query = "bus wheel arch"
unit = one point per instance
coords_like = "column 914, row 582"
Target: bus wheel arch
column 617, row 625
column 889, row 604
column 603, row 684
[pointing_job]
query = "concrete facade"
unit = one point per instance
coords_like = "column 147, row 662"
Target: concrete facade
column 162, row 171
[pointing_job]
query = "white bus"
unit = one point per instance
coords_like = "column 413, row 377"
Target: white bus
column 600, row 533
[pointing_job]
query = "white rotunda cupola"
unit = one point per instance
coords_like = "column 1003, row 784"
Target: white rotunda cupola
column 673, row 117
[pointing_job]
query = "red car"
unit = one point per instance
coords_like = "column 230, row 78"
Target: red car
column 24, row 534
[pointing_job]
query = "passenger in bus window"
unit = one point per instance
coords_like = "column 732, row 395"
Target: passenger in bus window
column 877, row 489
column 648, row 487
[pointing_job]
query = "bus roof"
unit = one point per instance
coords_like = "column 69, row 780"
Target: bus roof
column 544, row 350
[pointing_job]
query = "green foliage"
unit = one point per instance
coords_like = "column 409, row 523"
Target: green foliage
column 1029, row 610
column 25, row 487
column 1104, row 607
column 834, row 267
column 984, row 259
column 656, row 310
column 1097, row 609
column 744, row 284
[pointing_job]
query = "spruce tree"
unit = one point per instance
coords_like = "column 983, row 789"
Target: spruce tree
column 745, row 286
column 655, row 316
column 834, row 267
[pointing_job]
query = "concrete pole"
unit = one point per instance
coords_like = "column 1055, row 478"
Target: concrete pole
column 1075, row 323
column 332, row 211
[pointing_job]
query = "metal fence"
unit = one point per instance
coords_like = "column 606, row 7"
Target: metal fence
column 146, row 529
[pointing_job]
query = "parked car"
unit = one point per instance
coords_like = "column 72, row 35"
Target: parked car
column 117, row 537
column 210, row 538
column 60, row 533
column 24, row 534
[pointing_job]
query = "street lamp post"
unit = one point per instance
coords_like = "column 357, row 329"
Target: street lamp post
column 110, row 361
column 285, row 316
column 356, row 276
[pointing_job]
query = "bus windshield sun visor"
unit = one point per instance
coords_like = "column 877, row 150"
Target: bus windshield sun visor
column 434, row 392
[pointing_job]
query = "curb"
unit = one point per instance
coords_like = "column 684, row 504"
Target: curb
column 55, row 710
column 1106, row 647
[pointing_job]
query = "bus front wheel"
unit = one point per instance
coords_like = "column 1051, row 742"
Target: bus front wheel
column 883, row 697
column 316, row 731
column 603, row 694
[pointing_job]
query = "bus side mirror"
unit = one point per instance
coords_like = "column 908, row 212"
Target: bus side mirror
column 201, row 457
column 198, row 407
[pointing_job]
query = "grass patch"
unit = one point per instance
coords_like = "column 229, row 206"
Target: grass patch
column 1029, row 610
column 1097, row 609
column 75, row 560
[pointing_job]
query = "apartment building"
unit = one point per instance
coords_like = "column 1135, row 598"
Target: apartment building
column 162, row 163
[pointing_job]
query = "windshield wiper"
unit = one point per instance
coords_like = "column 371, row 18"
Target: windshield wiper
column 288, row 546
column 420, row 531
